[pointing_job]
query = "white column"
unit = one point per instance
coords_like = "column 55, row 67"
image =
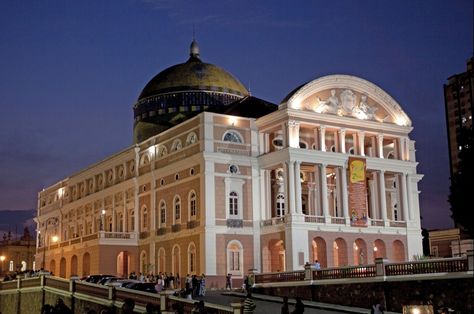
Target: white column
column 125, row 226
column 298, row 188
column 284, row 130
column 286, row 187
column 263, row 194
column 322, row 138
column 291, row 186
column 354, row 144
column 345, row 199
column 373, row 196
column 409, row 196
column 316, row 139
column 404, row 193
column 294, row 133
column 316, row 190
column 383, row 201
column 114, row 228
column 342, row 140
column 261, row 146
column 361, row 136
column 380, row 145
column 324, row 192
column 268, row 193
column 311, row 207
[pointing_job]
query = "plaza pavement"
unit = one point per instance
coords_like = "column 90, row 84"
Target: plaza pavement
column 269, row 304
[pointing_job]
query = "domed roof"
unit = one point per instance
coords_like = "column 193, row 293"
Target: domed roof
column 193, row 75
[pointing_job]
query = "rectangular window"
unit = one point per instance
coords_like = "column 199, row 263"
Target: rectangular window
column 235, row 261
column 233, row 211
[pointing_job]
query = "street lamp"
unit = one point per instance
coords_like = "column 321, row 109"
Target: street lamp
column 2, row 258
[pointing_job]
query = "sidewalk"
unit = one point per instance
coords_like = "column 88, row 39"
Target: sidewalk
column 308, row 304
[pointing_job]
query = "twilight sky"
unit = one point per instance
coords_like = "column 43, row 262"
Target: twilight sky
column 70, row 71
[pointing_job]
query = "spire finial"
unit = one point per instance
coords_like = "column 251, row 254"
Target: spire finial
column 194, row 49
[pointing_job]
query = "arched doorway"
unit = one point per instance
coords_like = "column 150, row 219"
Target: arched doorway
column 62, row 267
column 52, row 266
column 277, row 255
column 176, row 255
column 123, row 262
column 379, row 249
column 319, row 251
column 161, row 260
column 398, row 251
column 86, row 264
column 360, row 252
column 143, row 263
column 74, row 265
column 339, row 252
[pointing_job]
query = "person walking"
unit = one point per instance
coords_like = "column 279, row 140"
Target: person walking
column 249, row 304
column 228, row 281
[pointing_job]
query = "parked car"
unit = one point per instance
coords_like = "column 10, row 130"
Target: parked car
column 104, row 280
column 95, row 278
column 121, row 282
column 143, row 286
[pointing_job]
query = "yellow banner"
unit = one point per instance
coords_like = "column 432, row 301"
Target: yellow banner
column 357, row 192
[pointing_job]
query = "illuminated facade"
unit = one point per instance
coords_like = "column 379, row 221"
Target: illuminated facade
column 223, row 193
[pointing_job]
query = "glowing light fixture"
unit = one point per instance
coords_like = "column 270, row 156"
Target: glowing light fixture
column 232, row 120
column 400, row 121
column 375, row 249
column 55, row 238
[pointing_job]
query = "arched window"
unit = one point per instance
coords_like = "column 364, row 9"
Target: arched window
column 232, row 136
column 177, row 208
column 191, row 139
column 176, row 145
column 233, row 204
column 192, row 204
column 162, row 213
column 162, row 151
column 235, row 258
column 192, row 258
column 280, row 205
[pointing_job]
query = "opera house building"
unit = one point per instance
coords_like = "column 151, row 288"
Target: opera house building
column 219, row 181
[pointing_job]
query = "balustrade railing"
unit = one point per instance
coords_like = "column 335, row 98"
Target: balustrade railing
column 448, row 265
column 273, row 221
column 280, row 277
column 314, row 219
column 427, row 267
column 376, row 223
column 398, row 224
column 345, row 272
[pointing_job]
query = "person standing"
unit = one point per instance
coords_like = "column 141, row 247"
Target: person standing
column 285, row 309
column 228, row 281
column 202, row 291
column 299, row 307
column 249, row 304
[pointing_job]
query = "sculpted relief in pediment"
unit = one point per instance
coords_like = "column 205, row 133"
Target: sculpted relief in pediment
column 344, row 102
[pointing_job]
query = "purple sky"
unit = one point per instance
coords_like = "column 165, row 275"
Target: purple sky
column 70, row 71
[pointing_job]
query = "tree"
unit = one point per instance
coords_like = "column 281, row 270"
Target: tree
column 462, row 183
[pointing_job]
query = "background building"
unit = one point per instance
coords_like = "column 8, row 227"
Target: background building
column 222, row 182
column 459, row 102
column 17, row 254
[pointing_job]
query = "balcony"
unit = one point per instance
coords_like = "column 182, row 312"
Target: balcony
column 161, row 231
column 144, row 234
column 272, row 222
column 176, row 228
column 235, row 223
column 193, row 224
column 314, row 219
